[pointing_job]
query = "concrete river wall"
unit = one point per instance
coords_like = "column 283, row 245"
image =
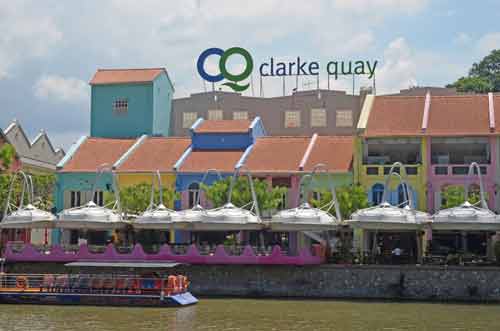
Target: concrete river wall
column 429, row 283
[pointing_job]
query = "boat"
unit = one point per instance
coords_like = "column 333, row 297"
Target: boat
column 95, row 290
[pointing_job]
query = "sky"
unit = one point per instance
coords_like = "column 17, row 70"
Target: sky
column 49, row 50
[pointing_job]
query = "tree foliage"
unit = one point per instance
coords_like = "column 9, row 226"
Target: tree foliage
column 7, row 155
column 350, row 198
column 267, row 198
column 484, row 76
column 43, row 190
column 453, row 196
column 135, row 199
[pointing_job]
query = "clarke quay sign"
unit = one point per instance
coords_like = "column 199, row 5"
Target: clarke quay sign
column 274, row 68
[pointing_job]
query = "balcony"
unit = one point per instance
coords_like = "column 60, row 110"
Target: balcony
column 383, row 170
column 457, row 169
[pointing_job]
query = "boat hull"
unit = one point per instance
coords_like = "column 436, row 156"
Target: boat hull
column 142, row 300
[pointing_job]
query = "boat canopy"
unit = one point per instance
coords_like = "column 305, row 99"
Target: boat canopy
column 25, row 217
column 305, row 217
column 228, row 217
column 156, row 216
column 91, row 216
column 468, row 216
column 389, row 217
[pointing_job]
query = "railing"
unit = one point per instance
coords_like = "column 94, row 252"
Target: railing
column 382, row 170
column 194, row 255
column 457, row 169
column 94, row 284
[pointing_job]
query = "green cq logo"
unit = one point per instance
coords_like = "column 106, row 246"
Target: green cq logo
column 224, row 73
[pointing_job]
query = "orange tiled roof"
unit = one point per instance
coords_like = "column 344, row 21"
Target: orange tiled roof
column 463, row 115
column 496, row 104
column 118, row 76
column 225, row 126
column 155, row 153
column 95, row 152
column 335, row 152
column 222, row 160
column 396, row 116
column 277, row 154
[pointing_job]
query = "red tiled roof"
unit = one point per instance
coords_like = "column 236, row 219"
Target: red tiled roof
column 118, row 76
column 222, row 160
column 224, row 126
column 95, row 152
column 396, row 116
column 463, row 115
column 335, row 152
column 155, row 153
column 277, row 154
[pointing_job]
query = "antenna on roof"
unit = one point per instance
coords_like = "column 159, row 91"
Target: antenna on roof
column 251, row 83
column 213, row 87
column 261, row 93
column 353, row 83
column 317, row 82
column 296, row 83
column 283, row 85
column 328, row 81
column 374, row 85
column 204, row 85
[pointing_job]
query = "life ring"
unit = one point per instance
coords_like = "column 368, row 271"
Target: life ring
column 22, row 282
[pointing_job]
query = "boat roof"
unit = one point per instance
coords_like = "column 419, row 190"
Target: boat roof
column 123, row 264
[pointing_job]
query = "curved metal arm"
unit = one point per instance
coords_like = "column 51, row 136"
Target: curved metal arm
column 114, row 185
column 481, row 187
column 401, row 180
column 252, row 188
column 323, row 168
column 302, row 192
column 27, row 186
column 203, row 179
column 156, row 175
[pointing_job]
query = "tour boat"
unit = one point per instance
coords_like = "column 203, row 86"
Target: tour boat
column 95, row 290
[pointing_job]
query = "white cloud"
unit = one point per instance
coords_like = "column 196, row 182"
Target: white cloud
column 488, row 42
column 399, row 68
column 380, row 6
column 25, row 34
column 462, row 38
column 62, row 89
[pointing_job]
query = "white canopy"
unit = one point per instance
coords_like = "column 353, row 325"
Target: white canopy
column 303, row 218
column 468, row 217
column 28, row 217
column 90, row 217
column 25, row 217
column 159, row 218
column 388, row 217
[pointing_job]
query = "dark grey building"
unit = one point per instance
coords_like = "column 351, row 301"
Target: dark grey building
column 325, row 112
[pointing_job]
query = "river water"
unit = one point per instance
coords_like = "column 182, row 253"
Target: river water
column 247, row 314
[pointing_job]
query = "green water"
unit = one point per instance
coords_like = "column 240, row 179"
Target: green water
column 232, row 314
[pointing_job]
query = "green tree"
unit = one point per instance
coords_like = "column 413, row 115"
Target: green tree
column 350, row 198
column 453, row 196
column 267, row 198
column 484, row 76
column 7, row 155
column 472, row 84
column 135, row 199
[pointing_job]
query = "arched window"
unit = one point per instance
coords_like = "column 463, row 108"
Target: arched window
column 193, row 191
column 403, row 191
column 377, row 193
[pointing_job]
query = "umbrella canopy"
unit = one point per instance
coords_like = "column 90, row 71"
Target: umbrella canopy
column 467, row 216
column 90, row 217
column 28, row 217
column 25, row 217
column 228, row 218
column 305, row 217
column 388, row 217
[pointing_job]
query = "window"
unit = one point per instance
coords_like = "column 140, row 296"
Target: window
column 343, row 118
column 377, row 193
column 215, row 115
column 76, row 199
column 120, row 106
column 99, row 198
column 292, row 119
column 188, row 119
column 193, row 191
column 240, row 115
column 318, row 117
